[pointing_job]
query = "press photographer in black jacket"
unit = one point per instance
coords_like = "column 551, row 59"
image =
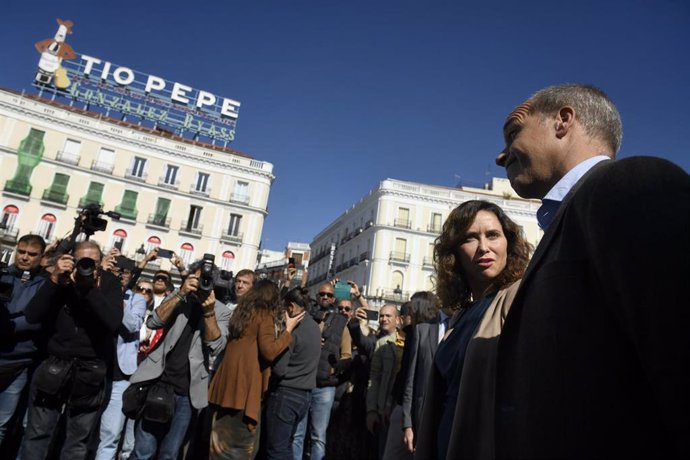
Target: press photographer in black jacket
column 84, row 306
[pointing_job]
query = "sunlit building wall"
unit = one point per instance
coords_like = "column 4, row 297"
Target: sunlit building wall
column 186, row 196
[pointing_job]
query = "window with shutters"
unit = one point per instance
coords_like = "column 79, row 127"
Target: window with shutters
column 57, row 192
column 128, row 207
column 93, row 195
column 160, row 215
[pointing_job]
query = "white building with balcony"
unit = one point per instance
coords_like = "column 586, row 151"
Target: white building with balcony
column 179, row 194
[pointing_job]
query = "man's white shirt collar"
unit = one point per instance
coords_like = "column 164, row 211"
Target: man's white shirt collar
column 552, row 200
column 563, row 186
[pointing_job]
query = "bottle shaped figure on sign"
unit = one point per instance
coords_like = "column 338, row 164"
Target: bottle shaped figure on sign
column 53, row 51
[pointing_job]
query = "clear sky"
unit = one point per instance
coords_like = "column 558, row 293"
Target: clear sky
column 340, row 95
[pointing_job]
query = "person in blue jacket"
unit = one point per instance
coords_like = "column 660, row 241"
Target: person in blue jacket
column 18, row 339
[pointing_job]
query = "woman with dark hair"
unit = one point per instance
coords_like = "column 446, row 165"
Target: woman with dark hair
column 480, row 257
column 241, row 380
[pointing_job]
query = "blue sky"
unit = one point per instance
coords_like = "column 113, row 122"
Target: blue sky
column 340, row 95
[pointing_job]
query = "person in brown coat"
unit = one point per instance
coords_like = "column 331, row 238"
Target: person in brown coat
column 241, row 380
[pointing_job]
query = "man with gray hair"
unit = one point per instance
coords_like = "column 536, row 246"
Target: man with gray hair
column 594, row 356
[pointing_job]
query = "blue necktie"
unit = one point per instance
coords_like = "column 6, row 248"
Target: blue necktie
column 546, row 212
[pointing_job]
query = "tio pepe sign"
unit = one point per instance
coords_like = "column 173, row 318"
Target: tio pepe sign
column 112, row 88
column 124, row 77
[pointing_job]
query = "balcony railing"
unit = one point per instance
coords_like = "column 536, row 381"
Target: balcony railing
column 86, row 200
column 158, row 221
column 433, row 228
column 55, row 197
column 402, row 223
column 428, row 261
column 102, row 167
column 67, row 157
column 126, row 213
column 188, row 228
column 141, row 176
column 393, row 295
column 318, row 256
column 174, row 185
column 232, row 237
column 399, row 257
column 364, row 256
column 242, row 199
column 200, row 191
column 9, row 234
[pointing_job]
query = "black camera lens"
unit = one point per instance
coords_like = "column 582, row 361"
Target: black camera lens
column 85, row 267
column 83, row 273
column 206, row 277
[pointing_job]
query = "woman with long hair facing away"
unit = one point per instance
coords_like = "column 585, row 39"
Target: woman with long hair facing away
column 241, row 380
column 480, row 257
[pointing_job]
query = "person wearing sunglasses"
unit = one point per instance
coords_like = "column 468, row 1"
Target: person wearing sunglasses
column 195, row 327
column 336, row 352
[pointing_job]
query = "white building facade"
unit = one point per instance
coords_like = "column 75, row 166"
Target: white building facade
column 384, row 243
column 189, row 197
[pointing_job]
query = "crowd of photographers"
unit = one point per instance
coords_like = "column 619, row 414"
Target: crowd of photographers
column 97, row 361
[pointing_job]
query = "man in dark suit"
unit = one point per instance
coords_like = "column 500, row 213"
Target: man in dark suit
column 594, row 357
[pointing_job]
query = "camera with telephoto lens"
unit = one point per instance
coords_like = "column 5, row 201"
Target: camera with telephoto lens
column 84, row 271
column 205, row 279
column 87, row 222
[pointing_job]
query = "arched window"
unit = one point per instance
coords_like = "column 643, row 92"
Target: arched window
column 187, row 253
column 227, row 261
column 46, row 227
column 152, row 242
column 397, row 280
column 118, row 239
column 9, row 218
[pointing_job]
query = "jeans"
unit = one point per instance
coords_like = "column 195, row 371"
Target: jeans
column 128, row 441
column 44, row 414
column 112, row 422
column 286, row 407
column 319, row 416
column 9, row 400
column 166, row 438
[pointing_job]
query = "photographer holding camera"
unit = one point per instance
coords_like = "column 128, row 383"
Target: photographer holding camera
column 83, row 306
column 176, row 370
column 18, row 347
